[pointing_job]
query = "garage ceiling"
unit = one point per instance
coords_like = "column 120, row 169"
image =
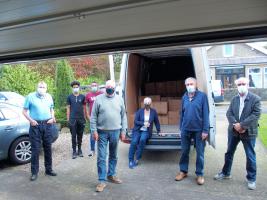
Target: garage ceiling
column 43, row 28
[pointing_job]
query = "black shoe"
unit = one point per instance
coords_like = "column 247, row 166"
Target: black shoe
column 80, row 153
column 34, row 177
column 51, row 173
column 74, row 155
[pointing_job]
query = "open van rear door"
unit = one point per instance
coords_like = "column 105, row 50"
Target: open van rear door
column 202, row 72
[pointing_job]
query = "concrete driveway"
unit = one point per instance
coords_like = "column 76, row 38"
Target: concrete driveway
column 153, row 179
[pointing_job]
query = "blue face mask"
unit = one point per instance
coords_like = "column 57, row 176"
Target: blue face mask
column 110, row 91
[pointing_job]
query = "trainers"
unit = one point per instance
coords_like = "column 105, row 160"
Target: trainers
column 100, row 187
column 180, row 176
column 200, row 180
column 221, row 176
column 114, row 179
column 136, row 162
column 131, row 164
column 251, row 185
column 91, row 154
column 74, row 155
column 80, row 153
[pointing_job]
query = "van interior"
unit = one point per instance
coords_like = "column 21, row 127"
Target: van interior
column 159, row 75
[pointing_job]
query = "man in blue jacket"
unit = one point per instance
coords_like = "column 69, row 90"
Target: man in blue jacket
column 143, row 127
column 194, row 123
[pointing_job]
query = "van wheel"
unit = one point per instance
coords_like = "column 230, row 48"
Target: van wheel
column 20, row 151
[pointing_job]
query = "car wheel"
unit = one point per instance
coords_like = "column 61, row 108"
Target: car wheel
column 20, row 151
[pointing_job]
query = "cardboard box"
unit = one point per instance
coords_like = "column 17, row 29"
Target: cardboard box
column 131, row 121
column 150, row 88
column 163, row 119
column 161, row 88
column 181, row 87
column 174, row 104
column 171, row 88
column 173, row 117
column 161, row 107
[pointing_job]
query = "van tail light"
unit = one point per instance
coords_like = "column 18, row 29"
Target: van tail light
column 222, row 92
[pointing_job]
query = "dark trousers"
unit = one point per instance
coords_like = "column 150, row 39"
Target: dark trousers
column 41, row 134
column 76, row 129
column 138, row 144
column 248, row 144
column 200, row 148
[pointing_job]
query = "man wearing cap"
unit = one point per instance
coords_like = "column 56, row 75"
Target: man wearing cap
column 39, row 110
column 243, row 115
column 143, row 127
column 90, row 99
column 108, row 123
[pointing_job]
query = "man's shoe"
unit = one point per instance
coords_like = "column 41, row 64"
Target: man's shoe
column 180, row 176
column 221, row 176
column 251, row 185
column 34, row 177
column 200, row 180
column 91, row 154
column 131, row 164
column 80, row 153
column 51, row 173
column 136, row 162
column 100, row 187
column 114, row 179
column 74, row 155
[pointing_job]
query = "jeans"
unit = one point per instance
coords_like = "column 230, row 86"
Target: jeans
column 186, row 137
column 76, row 129
column 248, row 144
column 41, row 135
column 92, row 142
column 112, row 138
column 138, row 143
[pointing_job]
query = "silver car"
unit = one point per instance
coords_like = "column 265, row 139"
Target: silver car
column 14, row 134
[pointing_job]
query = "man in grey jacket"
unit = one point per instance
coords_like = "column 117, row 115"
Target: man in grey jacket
column 243, row 115
column 108, row 124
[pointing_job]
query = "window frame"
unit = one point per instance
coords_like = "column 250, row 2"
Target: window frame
column 225, row 52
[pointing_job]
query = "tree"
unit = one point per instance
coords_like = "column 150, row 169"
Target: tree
column 64, row 76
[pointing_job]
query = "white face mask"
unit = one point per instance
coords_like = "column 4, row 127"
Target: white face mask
column 41, row 91
column 242, row 89
column 190, row 89
column 94, row 89
column 76, row 90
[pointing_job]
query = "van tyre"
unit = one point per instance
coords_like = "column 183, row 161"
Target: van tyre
column 20, row 151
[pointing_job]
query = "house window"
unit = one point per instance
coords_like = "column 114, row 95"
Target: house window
column 228, row 50
column 265, row 77
column 255, row 76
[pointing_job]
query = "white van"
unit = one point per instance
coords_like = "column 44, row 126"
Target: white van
column 160, row 74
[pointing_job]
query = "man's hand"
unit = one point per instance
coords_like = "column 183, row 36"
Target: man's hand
column 122, row 136
column 51, row 121
column 204, row 136
column 147, row 124
column 239, row 128
column 95, row 136
column 33, row 122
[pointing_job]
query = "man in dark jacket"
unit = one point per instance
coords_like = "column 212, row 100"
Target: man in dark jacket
column 143, row 127
column 194, row 123
column 243, row 115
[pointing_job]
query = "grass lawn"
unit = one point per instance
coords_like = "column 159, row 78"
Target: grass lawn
column 263, row 129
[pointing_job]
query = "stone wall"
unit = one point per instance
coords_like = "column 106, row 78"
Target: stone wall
column 229, row 93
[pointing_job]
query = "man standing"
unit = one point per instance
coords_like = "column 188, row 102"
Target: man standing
column 243, row 115
column 76, row 112
column 38, row 109
column 194, row 123
column 90, row 99
column 108, row 124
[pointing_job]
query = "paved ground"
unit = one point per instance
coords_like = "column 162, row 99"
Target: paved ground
column 153, row 179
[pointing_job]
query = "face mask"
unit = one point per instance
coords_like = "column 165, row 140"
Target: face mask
column 94, row 89
column 110, row 91
column 147, row 107
column 41, row 91
column 191, row 89
column 75, row 90
column 242, row 89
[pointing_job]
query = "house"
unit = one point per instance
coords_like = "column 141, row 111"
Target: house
column 231, row 61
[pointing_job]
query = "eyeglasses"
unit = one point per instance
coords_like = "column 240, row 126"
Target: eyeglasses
column 239, row 84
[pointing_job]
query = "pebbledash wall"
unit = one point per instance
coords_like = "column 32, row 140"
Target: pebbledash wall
column 230, row 93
